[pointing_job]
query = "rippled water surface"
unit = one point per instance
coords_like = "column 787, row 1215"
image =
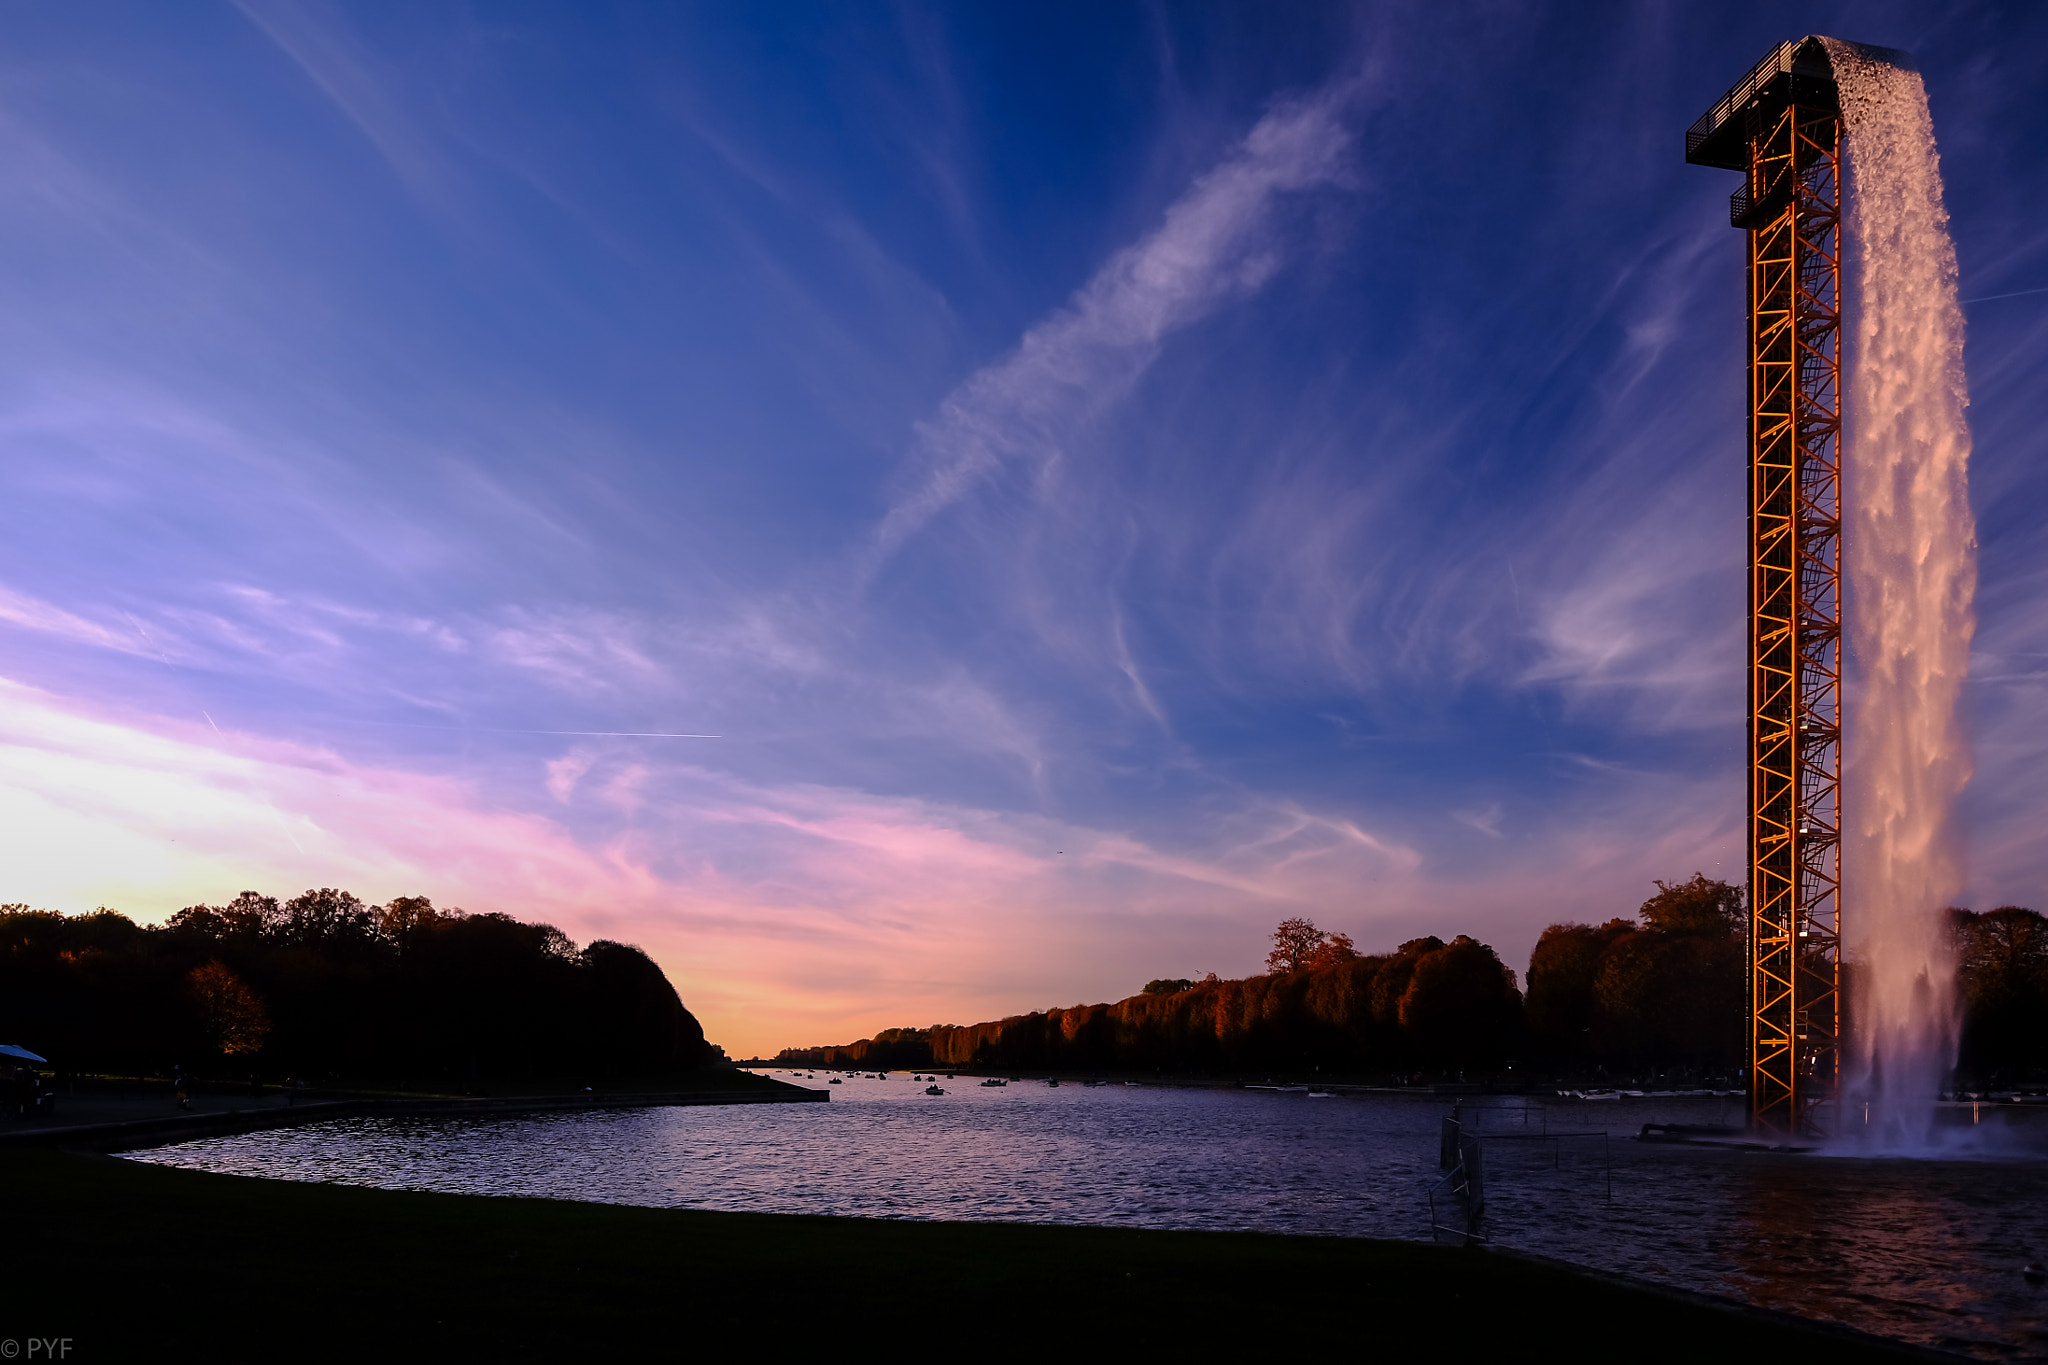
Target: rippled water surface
column 1930, row 1251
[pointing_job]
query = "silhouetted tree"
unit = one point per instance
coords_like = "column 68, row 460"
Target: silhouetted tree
column 2002, row 980
column 1699, row 906
column 632, row 1017
column 1334, row 951
column 1461, row 1005
column 247, row 919
column 408, row 918
column 1670, row 990
column 1294, row 942
column 324, row 982
column 232, row 1015
column 1673, row 997
column 328, row 918
column 1564, row 1014
column 1390, row 983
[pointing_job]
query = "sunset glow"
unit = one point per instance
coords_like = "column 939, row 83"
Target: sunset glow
column 913, row 518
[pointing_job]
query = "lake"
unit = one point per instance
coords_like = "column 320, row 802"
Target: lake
column 1928, row 1251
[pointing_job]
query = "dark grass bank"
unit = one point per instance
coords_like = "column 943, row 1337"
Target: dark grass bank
column 133, row 1261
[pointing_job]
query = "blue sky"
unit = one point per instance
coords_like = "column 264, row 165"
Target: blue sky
column 1111, row 477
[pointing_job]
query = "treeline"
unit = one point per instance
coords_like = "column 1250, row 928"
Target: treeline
column 1671, row 988
column 2002, row 985
column 1427, row 1004
column 1667, row 988
column 325, row 984
column 1663, row 993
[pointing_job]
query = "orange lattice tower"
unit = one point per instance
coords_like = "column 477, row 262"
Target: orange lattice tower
column 1782, row 127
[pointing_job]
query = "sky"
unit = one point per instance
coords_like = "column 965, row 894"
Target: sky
column 917, row 513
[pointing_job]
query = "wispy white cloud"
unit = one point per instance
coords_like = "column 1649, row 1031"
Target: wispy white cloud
column 568, row 770
column 1215, row 244
column 1485, row 818
column 29, row 613
column 581, row 652
column 1371, row 555
column 317, row 39
column 709, row 869
column 752, row 894
column 1127, row 664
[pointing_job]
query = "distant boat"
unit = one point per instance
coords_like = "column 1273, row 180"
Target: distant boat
column 992, row 1081
column 933, row 1090
column 833, row 1081
column 1054, row 1081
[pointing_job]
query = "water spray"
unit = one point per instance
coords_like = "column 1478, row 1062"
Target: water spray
column 1862, row 552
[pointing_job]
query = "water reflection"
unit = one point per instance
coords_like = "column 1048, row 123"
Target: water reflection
column 1926, row 1250
column 1931, row 1249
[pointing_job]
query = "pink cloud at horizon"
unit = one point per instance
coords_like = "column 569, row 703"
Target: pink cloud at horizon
column 784, row 915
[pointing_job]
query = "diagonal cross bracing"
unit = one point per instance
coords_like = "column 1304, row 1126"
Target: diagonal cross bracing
column 1792, row 210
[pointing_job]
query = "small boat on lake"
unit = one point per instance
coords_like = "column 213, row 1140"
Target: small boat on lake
column 933, row 1090
column 992, row 1082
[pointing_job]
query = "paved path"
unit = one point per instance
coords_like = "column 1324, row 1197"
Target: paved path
column 101, row 1103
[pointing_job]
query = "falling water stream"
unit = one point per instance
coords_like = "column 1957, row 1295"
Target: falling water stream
column 1909, row 550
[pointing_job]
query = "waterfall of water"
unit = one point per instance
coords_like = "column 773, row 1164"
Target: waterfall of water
column 1909, row 552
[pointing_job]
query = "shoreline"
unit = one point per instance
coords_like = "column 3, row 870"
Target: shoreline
column 111, row 1253
column 1241, row 1081
column 137, row 1134
column 98, row 1144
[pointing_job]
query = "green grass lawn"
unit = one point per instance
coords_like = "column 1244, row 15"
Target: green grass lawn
column 134, row 1262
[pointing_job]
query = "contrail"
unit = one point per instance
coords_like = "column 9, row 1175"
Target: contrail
column 145, row 636
column 2016, row 294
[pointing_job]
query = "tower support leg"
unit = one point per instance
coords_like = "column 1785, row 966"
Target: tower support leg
column 1793, row 217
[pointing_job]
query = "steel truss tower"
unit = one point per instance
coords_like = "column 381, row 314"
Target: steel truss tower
column 1782, row 126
